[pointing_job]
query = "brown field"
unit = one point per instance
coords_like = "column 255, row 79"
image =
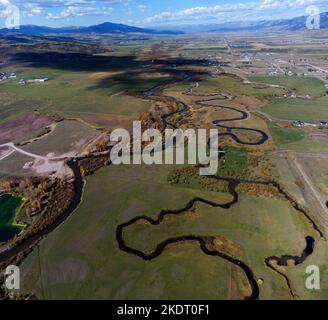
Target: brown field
column 70, row 136
column 319, row 136
column 23, row 126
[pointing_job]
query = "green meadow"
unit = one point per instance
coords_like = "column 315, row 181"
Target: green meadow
column 300, row 85
column 285, row 136
column 299, row 109
column 88, row 264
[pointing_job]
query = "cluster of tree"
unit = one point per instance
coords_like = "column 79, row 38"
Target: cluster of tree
column 153, row 117
column 190, row 176
column 101, row 145
column 36, row 191
column 254, row 189
column 89, row 166
column 61, row 196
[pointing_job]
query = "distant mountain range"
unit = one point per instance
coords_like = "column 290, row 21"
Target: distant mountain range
column 294, row 24
column 102, row 28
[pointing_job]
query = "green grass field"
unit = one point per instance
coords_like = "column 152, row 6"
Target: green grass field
column 296, row 139
column 236, row 161
column 81, row 258
column 299, row 109
column 319, row 258
column 76, row 92
column 285, row 136
column 11, row 108
column 301, row 85
column 235, row 87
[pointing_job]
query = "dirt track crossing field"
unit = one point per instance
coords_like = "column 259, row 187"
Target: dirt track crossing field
column 298, row 163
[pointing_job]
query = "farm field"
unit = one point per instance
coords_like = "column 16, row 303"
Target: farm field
column 284, row 137
column 300, row 85
column 76, row 93
column 11, row 107
column 231, row 85
column 299, row 109
column 68, row 136
column 253, row 222
column 24, row 126
column 308, row 144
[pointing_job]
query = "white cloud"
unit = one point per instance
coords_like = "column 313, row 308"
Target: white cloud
column 5, row 2
column 142, row 8
column 236, row 11
column 61, row 3
column 32, row 10
column 223, row 12
column 61, row 9
column 36, row 11
column 79, row 11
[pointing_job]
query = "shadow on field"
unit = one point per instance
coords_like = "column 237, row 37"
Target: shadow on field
column 133, row 70
column 88, row 62
column 76, row 61
column 136, row 81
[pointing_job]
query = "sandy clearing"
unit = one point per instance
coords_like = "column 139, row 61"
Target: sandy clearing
column 50, row 166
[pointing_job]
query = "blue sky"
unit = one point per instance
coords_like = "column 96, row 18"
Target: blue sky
column 148, row 13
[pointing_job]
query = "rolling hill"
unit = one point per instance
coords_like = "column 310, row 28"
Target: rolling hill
column 103, row 28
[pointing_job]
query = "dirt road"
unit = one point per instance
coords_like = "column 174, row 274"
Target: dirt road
column 42, row 165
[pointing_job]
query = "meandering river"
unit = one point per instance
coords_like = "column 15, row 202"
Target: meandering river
column 204, row 240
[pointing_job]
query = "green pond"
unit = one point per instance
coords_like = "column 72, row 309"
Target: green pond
column 9, row 206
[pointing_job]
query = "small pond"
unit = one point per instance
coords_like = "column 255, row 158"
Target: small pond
column 9, row 207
